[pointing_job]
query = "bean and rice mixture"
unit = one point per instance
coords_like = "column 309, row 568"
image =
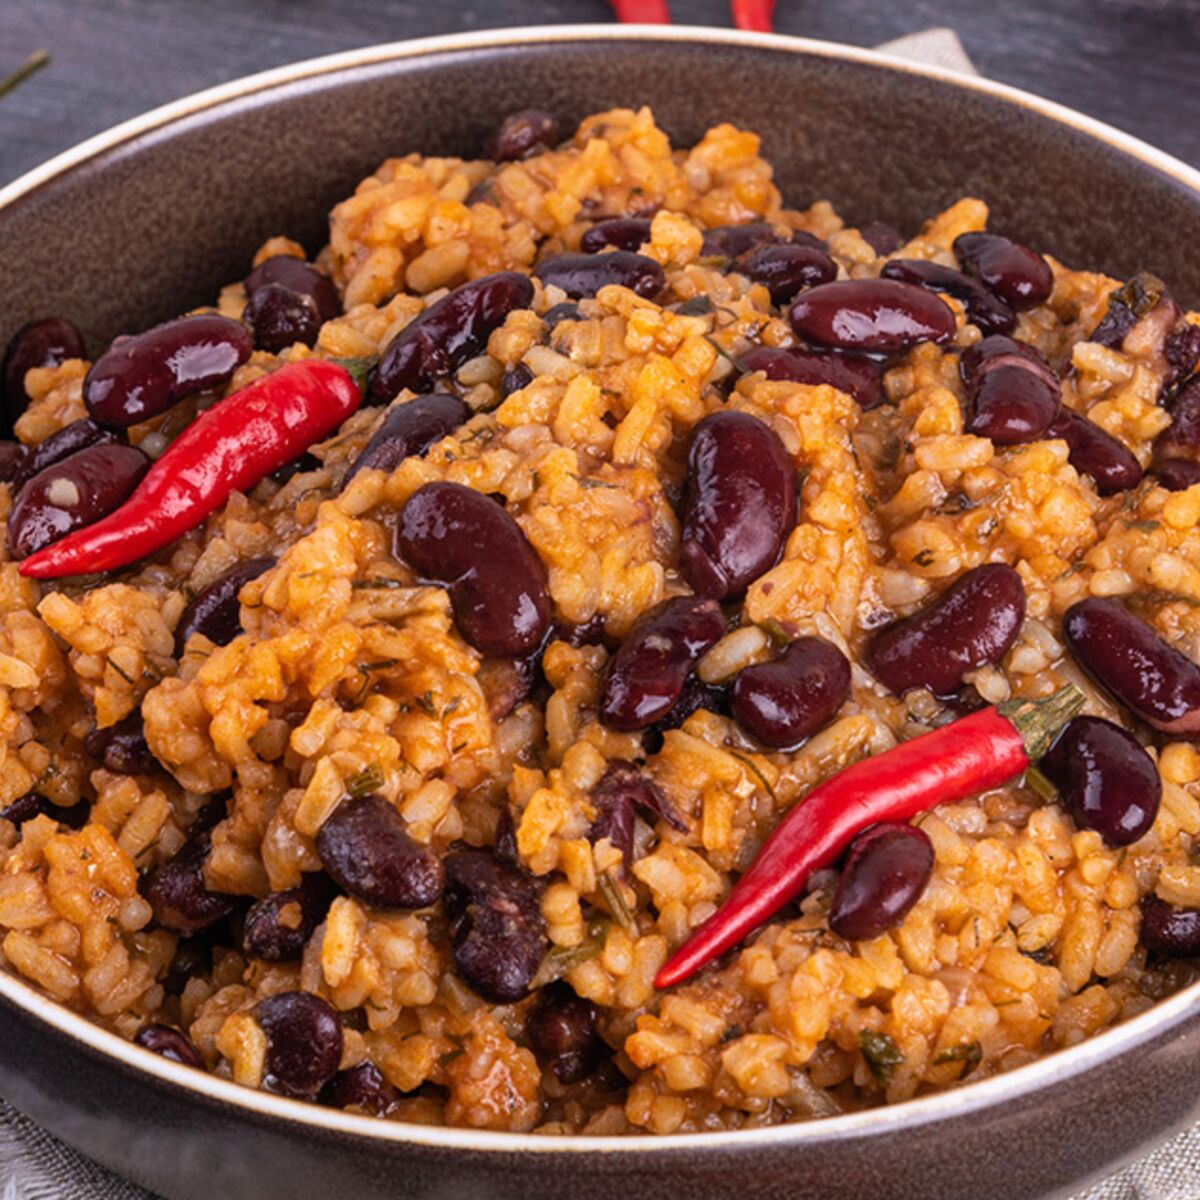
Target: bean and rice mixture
column 387, row 836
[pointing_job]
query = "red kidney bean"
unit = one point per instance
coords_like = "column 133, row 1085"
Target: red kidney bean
column 786, row 270
column 75, row 436
column 523, row 134
column 1093, row 452
column 646, row 675
column 1182, row 352
column 973, row 622
column 299, row 277
column 1129, row 660
column 983, row 309
column 176, row 890
column 13, row 457
column 122, row 748
column 1011, row 405
column 562, row 1032
column 1109, row 783
column 169, row 1043
column 1177, row 474
column 216, row 611
column 447, row 333
column 298, row 466
column 45, row 343
column 280, row 318
column 990, row 353
column 1168, row 931
column 365, row 846
column 362, row 1088
column 553, row 317
column 1020, row 277
column 583, row 275
column 34, row 804
column 695, row 696
column 623, row 791
column 740, row 503
column 409, row 429
column 887, row 869
column 304, row 1043
column 140, row 377
column 278, row 926
column 860, row 378
column 1180, row 439
column 785, row 701
column 622, row 233
column 733, row 241
column 882, row 315
column 72, row 493
column 881, row 237
column 514, row 380
column 497, row 583
column 496, row 923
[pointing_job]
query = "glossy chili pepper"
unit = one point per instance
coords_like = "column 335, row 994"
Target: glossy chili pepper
column 644, row 12
column 754, row 15
column 967, row 756
column 227, row 449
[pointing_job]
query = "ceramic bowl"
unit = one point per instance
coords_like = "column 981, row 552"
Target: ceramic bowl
column 153, row 217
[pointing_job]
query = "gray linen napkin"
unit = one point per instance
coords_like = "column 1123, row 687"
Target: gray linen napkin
column 36, row 1166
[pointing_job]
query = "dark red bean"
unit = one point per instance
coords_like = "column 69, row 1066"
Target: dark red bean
column 299, row 277
column 1169, row 931
column 1109, row 783
column 786, row 270
column 505, row 847
column 882, row 315
column 1178, row 474
column 1021, row 278
column 176, row 889
column 45, row 343
column 647, row 674
column 193, row 957
column 1128, row 659
column 861, row 378
column 142, row 376
column 562, row 1032
column 553, row 317
column 583, row 275
column 13, row 457
column 170, row 1043
column 216, row 611
column 622, row 233
column 973, row 622
column 362, row 1088
column 1096, row 453
column 447, row 333
column 280, row 318
column 304, row 1043
column 506, row 682
column 1182, row 352
column 514, row 380
column 76, row 436
column 623, row 791
column 711, row 697
column 364, row 844
column 34, row 804
column 881, row 237
column 496, row 923
column 298, row 466
column 523, row 134
column 983, row 309
column 409, row 429
column 72, row 493
column 1181, row 439
column 122, row 748
column 496, row 581
column 740, row 503
column 278, row 926
column 991, row 353
column 590, row 633
column 887, row 868
column 785, row 701
column 1012, row 405
column 732, row 241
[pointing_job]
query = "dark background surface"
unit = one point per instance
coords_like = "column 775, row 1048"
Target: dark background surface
column 1133, row 63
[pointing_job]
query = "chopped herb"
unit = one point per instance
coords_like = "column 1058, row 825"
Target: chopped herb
column 1044, row 956
column 752, row 767
column 454, row 704
column 425, row 704
column 108, row 659
column 970, row 1054
column 1140, row 294
column 561, row 960
column 776, row 632
column 359, row 369
column 737, row 366
column 697, row 306
column 381, row 582
column 924, row 557
column 451, row 1055
column 369, row 779
column 881, row 1053
column 1146, row 526
column 610, row 891
column 1037, row 782
column 537, row 480
column 732, row 1033
column 593, row 483
column 382, row 665
column 35, row 62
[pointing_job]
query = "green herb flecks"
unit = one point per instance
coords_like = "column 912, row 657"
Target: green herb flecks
column 970, row 1054
column 34, row 63
column 776, row 632
column 359, row 369
column 611, row 893
column 369, row 779
column 697, row 306
column 108, row 659
column 1037, row 782
column 752, row 767
column 882, row 1054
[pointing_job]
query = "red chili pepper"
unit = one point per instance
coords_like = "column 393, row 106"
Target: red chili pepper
column 754, row 15
column 645, row 12
column 227, row 449
column 971, row 755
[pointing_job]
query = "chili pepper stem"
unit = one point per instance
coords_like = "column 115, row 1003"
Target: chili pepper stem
column 359, row 369
column 1038, row 721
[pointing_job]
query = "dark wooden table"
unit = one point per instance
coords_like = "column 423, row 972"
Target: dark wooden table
column 1134, row 63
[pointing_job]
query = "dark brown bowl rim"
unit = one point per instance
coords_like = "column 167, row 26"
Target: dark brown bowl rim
column 955, row 1102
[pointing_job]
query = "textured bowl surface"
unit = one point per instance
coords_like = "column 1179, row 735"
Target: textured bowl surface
column 141, row 223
